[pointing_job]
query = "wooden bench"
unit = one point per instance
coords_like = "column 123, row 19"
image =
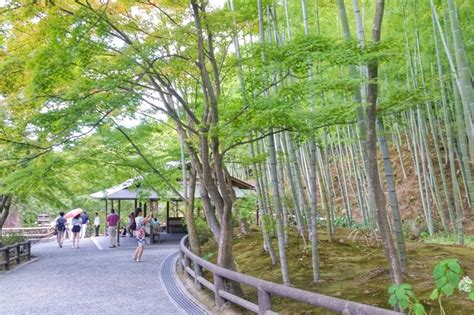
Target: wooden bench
column 175, row 225
column 155, row 230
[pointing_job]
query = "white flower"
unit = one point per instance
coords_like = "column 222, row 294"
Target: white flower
column 465, row 284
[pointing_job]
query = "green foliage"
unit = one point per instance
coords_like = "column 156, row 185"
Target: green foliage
column 203, row 231
column 12, row 239
column 447, row 275
column 403, row 296
column 246, row 207
column 347, row 222
column 443, row 238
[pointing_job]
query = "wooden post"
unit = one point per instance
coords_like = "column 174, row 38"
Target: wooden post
column 28, row 250
column 7, row 257
column 219, row 285
column 197, row 273
column 18, row 253
column 135, row 204
column 264, row 301
column 144, row 209
column 168, row 217
column 187, row 261
column 106, row 208
column 118, row 225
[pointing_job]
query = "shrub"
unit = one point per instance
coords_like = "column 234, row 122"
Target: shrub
column 12, row 239
column 203, row 231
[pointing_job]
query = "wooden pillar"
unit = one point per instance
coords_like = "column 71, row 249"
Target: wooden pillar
column 105, row 225
column 167, row 217
column 135, row 204
column 144, row 209
column 118, row 225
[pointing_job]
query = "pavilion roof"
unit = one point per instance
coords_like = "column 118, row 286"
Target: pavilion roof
column 130, row 190
column 127, row 190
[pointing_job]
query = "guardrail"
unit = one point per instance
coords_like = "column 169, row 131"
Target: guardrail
column 32, row 233
column 15, row 253
column 194, row 265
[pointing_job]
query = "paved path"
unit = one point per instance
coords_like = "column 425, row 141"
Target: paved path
column 88, row 281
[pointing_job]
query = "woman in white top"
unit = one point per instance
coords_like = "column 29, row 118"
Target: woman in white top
column 140, row 233
column 97, row 223
column 76, row 229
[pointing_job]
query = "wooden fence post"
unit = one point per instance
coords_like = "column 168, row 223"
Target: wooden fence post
column 18, row 253
column 264, row 301
column 28, row 250
column 7, row 258
column 218, row 285
column 198, row 273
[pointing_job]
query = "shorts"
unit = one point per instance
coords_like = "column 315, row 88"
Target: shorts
column 141, row 242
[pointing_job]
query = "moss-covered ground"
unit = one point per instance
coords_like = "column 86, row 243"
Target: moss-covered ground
column 351, row 270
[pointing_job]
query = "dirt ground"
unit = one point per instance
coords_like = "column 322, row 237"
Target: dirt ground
column 350, row 270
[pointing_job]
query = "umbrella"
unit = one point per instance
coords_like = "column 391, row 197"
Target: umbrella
column 73, row 213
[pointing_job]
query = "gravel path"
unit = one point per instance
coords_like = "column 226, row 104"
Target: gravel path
column 88, row 280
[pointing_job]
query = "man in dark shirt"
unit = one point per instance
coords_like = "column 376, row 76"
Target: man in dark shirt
column 85, row 221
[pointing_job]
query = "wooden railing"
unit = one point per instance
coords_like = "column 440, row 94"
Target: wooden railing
column 194, row 265
column 32, row 233
column 15, row 253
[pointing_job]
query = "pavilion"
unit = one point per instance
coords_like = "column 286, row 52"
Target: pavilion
column 142, row 197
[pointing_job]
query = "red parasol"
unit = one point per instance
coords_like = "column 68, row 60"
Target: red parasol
column 72, row 213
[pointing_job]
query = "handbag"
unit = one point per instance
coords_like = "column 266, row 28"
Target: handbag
column 76, row 228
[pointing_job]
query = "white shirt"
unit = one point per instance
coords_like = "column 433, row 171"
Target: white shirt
column 139, row 222
column 97, row 220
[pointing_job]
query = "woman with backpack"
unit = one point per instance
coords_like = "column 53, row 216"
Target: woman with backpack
column 140, row 233
column 60, row 229
column 76, row 229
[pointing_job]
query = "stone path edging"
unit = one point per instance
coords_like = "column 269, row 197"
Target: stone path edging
column 176, row 291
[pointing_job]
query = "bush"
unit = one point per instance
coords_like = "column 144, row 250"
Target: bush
column 203, row 231
column 11, row 239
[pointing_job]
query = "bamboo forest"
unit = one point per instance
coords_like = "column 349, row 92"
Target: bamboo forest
column 275, row 156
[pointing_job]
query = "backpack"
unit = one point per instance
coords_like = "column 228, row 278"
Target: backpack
column 60, row 226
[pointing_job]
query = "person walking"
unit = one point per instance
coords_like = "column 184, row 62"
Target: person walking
column 76, row 230
column 140, row 233
column 60, row 229
column 112, row 220
column 85, row 221
column 97, row 223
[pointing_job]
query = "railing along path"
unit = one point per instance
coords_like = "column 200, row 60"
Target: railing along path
column 194, row 265
column 15, row 253
column 33, row 233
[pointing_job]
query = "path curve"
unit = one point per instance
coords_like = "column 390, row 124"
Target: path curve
column 175, row 290
column 89, row 281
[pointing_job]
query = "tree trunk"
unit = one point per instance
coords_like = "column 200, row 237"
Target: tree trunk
column 189, row 215
column 380, row 202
